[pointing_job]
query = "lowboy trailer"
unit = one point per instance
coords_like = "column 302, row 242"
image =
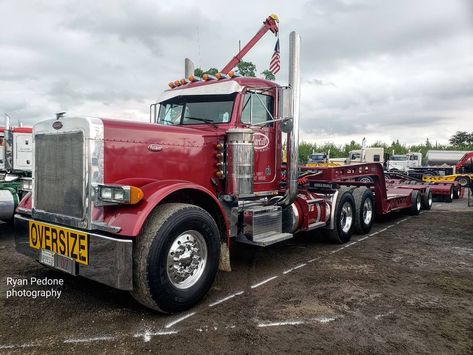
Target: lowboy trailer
column 117, row 201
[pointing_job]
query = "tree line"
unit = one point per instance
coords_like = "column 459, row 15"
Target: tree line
column 461, row 140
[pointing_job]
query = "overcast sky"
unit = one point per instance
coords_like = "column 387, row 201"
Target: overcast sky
column 384, row 70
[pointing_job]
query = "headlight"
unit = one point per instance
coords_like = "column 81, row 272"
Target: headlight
column 117, row 194
column 26, row 184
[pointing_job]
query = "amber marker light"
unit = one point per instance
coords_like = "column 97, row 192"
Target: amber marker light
column 136, row 195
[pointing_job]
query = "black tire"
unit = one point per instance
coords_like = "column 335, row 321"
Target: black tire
column 427, row 199
column 170, row 223
column 364, row 210
column 340, row 234
column 464, row 181
column 449, row 197
column 414, row 210
column 456, row 193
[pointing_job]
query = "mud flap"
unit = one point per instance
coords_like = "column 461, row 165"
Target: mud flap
column 224, row 262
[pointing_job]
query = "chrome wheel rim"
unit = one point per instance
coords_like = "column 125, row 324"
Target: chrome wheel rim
column 419, row 204
column 346, row 217
column 451, row 195
column 430, row 199
column 186, row 259
column 463, row 182
column 367, row 211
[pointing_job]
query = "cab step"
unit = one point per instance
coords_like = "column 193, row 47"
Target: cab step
column 265, row 239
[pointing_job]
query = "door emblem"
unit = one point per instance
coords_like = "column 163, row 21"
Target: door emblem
column 155, row 148
column 261, row 141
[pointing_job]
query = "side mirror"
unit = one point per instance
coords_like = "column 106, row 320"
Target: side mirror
column 286, row 111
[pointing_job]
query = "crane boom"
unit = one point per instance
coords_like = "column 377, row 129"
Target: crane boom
column 270, row 24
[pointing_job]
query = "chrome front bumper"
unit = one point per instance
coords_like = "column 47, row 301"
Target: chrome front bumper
column 110, row 259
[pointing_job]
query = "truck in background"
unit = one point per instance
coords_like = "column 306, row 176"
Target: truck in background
column 404, row 162
column 366, row 155
column 126, row 208
column 15, row 167
column 445, row 166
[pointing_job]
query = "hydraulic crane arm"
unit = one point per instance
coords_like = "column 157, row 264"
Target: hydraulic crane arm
column 464, row 161
column 270, row 24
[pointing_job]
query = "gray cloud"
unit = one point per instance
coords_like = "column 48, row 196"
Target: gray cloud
column 391, row 69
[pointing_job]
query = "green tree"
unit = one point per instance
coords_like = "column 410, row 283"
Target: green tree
column 461, row 139
column 268, row 75
column 305, row 150
column 212, row 71
column 199, row 72
column 246, row 68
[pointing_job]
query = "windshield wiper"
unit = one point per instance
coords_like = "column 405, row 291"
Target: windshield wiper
column 206, row 120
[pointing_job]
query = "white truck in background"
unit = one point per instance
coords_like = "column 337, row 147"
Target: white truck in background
column 404, row 162
column 366, row 155
column 16, row 155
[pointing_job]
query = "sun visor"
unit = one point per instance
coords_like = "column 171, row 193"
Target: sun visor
column 218, row 88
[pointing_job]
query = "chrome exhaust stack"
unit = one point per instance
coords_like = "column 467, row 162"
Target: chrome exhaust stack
column 293, row 134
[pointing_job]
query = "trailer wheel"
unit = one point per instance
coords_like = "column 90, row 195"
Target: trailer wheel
column 464, row 181
column 364, row 210
column 427, row 200
column 175, row 258
column 344, row 217
column 365, row 179
column 414, row 210
column 456, row 193
column 450, row 196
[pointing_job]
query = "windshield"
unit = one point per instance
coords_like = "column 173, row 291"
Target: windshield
column 317, row 157
column 189, row 110
column 399, row 158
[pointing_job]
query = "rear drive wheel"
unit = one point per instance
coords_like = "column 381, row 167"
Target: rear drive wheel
column 464, row 181
column 427, row 199
column 364, row 210
column 343, row 217
column 175, row 258
column 414, row 210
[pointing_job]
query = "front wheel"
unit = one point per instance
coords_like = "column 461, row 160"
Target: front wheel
column 175, row 258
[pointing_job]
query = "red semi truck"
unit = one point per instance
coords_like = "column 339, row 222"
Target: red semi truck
column 121, row 203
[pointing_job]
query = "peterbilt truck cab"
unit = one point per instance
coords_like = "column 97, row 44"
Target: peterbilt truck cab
column 119, row 201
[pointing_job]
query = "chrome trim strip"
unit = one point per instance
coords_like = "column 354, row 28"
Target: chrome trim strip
column 110, row 259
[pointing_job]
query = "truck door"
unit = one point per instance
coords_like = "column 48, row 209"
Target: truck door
column 22, row 151
column 258, row 108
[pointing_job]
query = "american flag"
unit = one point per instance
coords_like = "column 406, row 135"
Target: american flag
column 275, row 63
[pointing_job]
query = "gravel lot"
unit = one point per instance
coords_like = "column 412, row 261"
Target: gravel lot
column 405, row 288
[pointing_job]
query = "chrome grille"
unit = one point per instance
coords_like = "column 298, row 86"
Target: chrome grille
column 59, row 173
